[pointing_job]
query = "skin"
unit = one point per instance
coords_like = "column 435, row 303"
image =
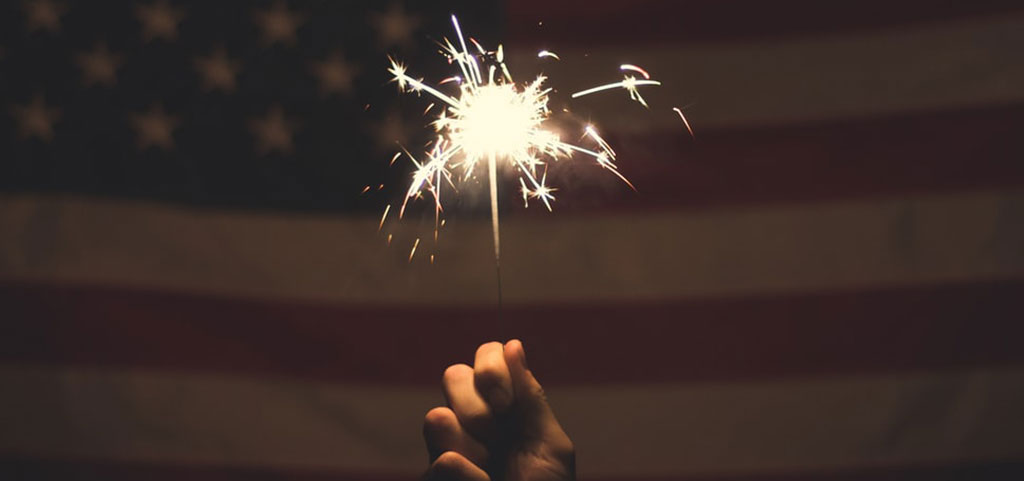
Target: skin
column 498, row 425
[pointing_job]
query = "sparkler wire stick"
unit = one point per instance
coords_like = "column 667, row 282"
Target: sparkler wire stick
column 492, row 174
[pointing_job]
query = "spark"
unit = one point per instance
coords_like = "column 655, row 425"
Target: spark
column 685, row 122
column 487, row 118
column 592, row 132
column 547, row 53
column 365, row 190
column 384, row 217
column 629, row 66
column 414, row 246
column 630, row 84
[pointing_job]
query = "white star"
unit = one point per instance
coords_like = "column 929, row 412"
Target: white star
column 99, row 67
column 273, row 132
column 218, row 71
column 335, row 75
column 395, row 27
column 278, row 24
column 35, row 119
column 154, row 128
column 44, row 15
column 159, row 20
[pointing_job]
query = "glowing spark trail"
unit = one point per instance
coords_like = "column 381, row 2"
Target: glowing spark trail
column 630, row 83
column 546, row 53
column 413, row 251
column 685, row 122
column 384, row 217
column 487, row 117
column 628, row 66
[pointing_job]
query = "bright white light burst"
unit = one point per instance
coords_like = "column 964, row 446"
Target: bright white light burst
column 491, row 118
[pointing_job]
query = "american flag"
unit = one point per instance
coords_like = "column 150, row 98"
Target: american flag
column 824, row 284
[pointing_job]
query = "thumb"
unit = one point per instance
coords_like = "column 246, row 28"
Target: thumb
column 538, row 418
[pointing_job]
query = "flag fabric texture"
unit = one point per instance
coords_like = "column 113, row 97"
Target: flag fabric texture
column 823, row 283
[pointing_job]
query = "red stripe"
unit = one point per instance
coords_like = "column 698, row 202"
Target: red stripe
column 925, row 153
column 700, row 340
column 540, row 23
column 52, row 470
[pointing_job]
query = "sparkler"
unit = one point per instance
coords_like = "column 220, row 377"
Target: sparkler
column 490, row 118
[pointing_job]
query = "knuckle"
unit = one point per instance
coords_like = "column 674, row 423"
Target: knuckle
column 564, row 447
column 537, row 392
column 488, row 374
column 476, row 417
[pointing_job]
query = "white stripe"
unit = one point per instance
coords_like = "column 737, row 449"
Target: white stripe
column 758, row 427
column 932, row 66
column 620, row 257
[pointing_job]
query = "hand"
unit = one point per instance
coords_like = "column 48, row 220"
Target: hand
column 498, row 425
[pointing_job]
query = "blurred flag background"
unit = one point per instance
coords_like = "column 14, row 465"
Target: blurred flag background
column 825, row 284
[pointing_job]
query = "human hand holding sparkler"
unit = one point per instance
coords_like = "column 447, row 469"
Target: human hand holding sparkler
column 498, row 424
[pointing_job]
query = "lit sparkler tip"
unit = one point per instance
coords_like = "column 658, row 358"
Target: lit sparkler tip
column 488, row 119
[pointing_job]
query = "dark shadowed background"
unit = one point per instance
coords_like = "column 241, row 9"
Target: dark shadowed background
column 824, row 284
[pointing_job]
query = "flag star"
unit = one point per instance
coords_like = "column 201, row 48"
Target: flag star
column 36, row 119
column 154, row 128
column 335, row 75
column 44, row 15
column 395, row 27
column 218, row 71
column 278, row 24
column 273, row 132
column 99, row 67
column 159, row 20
